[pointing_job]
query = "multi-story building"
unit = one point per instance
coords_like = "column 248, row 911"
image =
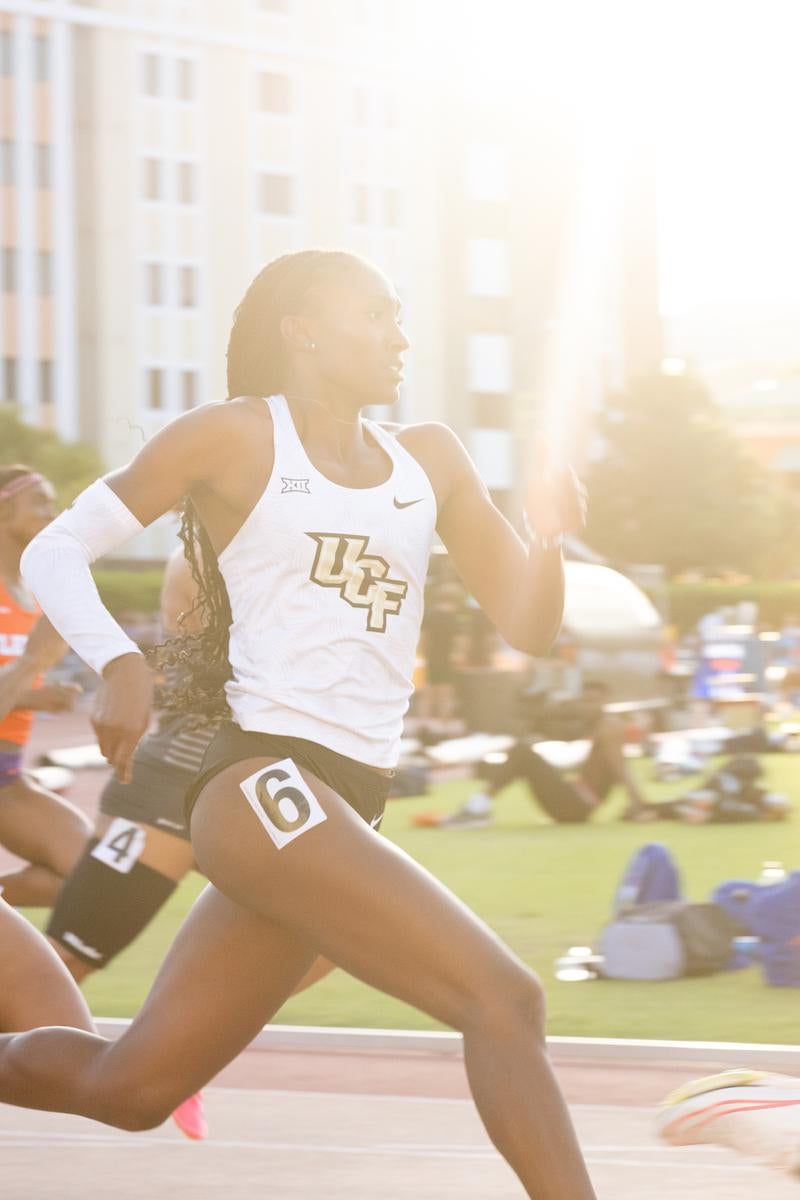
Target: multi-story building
column 37, row 266
column 156, row 153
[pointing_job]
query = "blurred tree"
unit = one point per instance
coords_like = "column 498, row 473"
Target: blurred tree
column 71, row 466
column 675, row 486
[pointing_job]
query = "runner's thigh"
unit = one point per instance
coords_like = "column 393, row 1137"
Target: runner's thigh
column 35, row 986
column 365, row 903
column 39, row 826
column 164, row 852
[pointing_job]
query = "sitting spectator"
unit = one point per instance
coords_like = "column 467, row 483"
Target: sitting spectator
column 567, row 800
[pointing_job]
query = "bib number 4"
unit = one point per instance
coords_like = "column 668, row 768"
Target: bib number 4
column 121, row 845
column 283, row 802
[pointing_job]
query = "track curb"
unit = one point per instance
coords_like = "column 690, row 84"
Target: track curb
column 616, row 1051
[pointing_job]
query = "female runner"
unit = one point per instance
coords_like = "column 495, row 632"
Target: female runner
column 35, row 824
column 316, row 525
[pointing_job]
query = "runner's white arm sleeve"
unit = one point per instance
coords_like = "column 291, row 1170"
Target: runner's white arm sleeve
column 55, row 565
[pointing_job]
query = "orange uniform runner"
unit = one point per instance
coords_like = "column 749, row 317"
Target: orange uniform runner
column 39, row 828
column 16, row 624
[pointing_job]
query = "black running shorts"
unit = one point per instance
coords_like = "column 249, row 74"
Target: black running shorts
column 156, row 795
column 364, row 788
column 163, row 768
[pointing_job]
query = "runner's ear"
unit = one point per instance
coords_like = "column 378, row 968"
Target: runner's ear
column 296, row 332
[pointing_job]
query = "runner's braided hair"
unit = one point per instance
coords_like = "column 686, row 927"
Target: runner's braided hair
column 257, row 366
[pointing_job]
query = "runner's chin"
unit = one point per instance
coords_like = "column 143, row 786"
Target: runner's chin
column 389, row 389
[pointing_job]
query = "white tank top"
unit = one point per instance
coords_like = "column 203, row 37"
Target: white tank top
column 326, row 591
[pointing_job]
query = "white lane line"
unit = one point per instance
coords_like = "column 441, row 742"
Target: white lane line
column 600, row 1156
column 461, row 1101
column 372, row 1097
column 734, row 1168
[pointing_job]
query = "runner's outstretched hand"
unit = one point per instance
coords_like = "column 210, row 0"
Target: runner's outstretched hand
column 555, row 499
column 122, row 710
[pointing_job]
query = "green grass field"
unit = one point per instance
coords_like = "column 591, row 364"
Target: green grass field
column 543, row 888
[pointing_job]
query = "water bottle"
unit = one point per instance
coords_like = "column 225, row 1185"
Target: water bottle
column 771, row 872
column 578, row 965
column 746, row 951
column 626, row 897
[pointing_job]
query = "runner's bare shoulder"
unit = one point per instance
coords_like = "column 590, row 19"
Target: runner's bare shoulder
column 437, row 449
column 216, row 446
column 433, row 434
column 228, row 424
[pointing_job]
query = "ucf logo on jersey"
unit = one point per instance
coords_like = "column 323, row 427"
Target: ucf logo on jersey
column 363, row 579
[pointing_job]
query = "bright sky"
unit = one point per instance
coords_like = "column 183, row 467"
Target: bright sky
column 729, row 186
column 717, row 82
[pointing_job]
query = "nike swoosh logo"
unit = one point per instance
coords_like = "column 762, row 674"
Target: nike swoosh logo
column 407, row 503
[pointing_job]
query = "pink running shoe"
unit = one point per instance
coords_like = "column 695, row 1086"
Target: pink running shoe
column 190, row 1118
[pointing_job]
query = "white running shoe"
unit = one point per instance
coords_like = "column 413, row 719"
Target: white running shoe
column 754, row 1112
column 475, row 813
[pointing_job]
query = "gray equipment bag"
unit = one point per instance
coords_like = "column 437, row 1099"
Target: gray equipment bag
column 666, row 940
column 643, row 943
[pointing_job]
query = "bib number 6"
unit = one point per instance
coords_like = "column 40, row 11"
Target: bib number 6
column 283, row 802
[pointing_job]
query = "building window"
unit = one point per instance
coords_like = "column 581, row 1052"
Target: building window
column 493, row 410
column 6, row 53
column 8, row 261
column 44, row 272
column 487, row 173
column 43, row 165
column 488, row 267
column 8, row 163
column 392, row 207
column 489, row 362
column 189, row 389
column 275, row 194
column 153, row 179
column 361, row 204
column 155, row 386
column 492, row 451
column 187, row 287
column 186, row 81
column 41, row 58
column 9, row 379
column 187, row 183
column 275, row 93
column 46, row 382
column 154, row 289
column 152, row 67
